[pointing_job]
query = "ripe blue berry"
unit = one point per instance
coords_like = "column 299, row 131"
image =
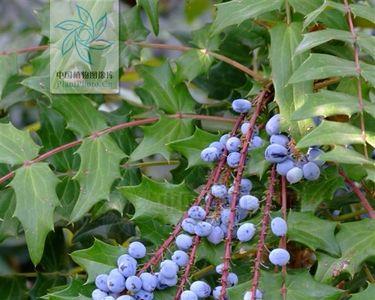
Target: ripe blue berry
column 273, row 125
column 137, row 250
column 149, row 282
column 245, row 128
column 144, row 295
column 246, row 185
column 246, row 232
column 294, row 175
column 279, row 226
column 249, row 202
column 98, row 294
column 125, row 297
column 168, row 269
column 203, row 229
column 232, row 279
column 101, row 282
column 233, row 159
column 313, row 154
column 219, row 269
column 225, row 215
column 188, row 225
column 201, row 289
column 109, row 298
column 197, row 213
column 241, row 105
column 189, row 295
column 219, row 191
column 116, row 281
column 233, row 144
column 258, row 295
column 133, row 284
column 240, row 214
column 210, row 154
column 256, row 142
column 184, row 241
column 224, row 138
column 279, row 139
column 216, row 292
column 279, row 257
column 127, row 268
column 311, row 171
column 181, row 258
column 216, row 236
column 219, row 146
column 283, row 167
column 275, row 153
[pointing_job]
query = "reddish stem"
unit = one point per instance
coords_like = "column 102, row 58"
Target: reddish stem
column 359, row 194
column 283, row 238
column 261, row 99
column 263, row 232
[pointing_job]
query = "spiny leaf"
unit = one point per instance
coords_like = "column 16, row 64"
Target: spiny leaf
column 16, row 146
column 192, row 146
column 313, row 232
column 157, row 136
column 8, row 67
column 40, row 84
column 36, row 196
column 75, row 290
column 332, row 133
column 211, row 253
column 165, row 202
column 98, row 259
column 357, row 244
column 100, row 160
column 8, row 224
column 193, row 63
column 151, row 7
column 344, row 155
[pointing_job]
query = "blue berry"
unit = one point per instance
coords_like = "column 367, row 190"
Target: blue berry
column 294, row 175
column 168, row 269
column 279, row 226
column 127, row 268
column 181, row 258
column 225, row 213
column 216, row 292
column 116, row 281
column 249, row 202
column 279, row 257
column 245, row 128
column 149, row 282
column 133, row 284
column 144, row 295
column 189, row 295
column 279, row 139
column 201, row 289
column 311, row 171
column 109, row 298
column 273, row 125
column 219, row 191
column 219, row 146
column 258, row 295
column 188, row 225
column 210, row 154
column 232, row 279
column 216, row 236
column 233, row 159
column 275, row 153
column 219, row 269
column 184, row 242
column 203, row 229
column 313, row 154
column 224, row 138
column 246, row 232
column 126, row 257
column 101, row 282
column 197, row 213
column 283, row 167
column 98, row 294
column 246, row 185
column 233, row 144
column 137, row 250
column 256, row 142
column 172, row 281
column 241, row 105
column 240, row 214
column 125, row 297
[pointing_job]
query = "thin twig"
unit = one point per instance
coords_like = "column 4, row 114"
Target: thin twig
column 283, row 238
column 25, row 50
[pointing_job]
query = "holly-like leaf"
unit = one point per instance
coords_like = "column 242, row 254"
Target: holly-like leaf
column 160, row 83
column 154, row 231
column 257, row 164
column 80, row 114
column 367, row 294
column 8, row 224
column 165, row 202
column 12, row 288
column 235, row 12
column 193, row 63
column 211, row 253
column 100, row 166
column 152, row 10
column 289, row 97
column 344, row 155
column 313, row 232
column 8, row 67
column 16, row 146
column 157, row 136
column 357, row 244
column 98, row 259
column 328, row 133
column 76, row 290
column 192, row 146
column 35, row 186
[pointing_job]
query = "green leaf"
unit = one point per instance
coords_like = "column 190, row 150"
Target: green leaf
column 344, row 155
column 35, row 186
column 313, row 15
column 75, row 290
column 152, row 10
column 8, row 224
column 192, row 146
column 313, row 193
column 80, row 114
column 16, row 146
column 332, row 133
column 68, row 192
column 364, row 11
column 13, row 288
column 8, row 67
column 235, row 12
column 368, row 73
column 211, row 253
column 367, row 294
column 289, row 97
column 169, row 95
column 194, row 8
column 100, row 164
column 366, row 43
column 258, row 165
column 316, row 38
column 157, row 136
column 313, row 232
column 357, row 244
column 299, row 285
column 165, row 202
column 154, row 231
column 193, row 63
column 40, row 84
column 98, row 259
column 328, row 103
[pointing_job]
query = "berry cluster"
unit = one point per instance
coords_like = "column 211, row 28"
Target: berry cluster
column 290, row 163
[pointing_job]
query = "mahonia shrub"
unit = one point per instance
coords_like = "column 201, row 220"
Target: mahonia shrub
column 237, row 161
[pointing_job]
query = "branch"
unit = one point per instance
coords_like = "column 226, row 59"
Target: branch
column 359, row 73
column 283, row 238
column 263, row 232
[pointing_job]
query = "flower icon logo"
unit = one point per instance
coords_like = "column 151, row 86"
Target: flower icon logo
column 84, row 35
